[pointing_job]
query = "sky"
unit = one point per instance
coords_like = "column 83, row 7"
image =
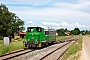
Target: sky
column 57, row 14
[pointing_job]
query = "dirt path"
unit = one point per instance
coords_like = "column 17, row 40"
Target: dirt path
column 85, row 53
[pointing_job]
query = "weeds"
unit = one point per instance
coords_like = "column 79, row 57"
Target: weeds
column 77, row 46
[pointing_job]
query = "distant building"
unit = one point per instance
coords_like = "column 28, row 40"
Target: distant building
column 19, row 34
column 22, row 34
column 56, row 34
column 67, row 33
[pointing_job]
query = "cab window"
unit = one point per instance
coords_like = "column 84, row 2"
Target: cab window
column 39, row 29
column 30, row 30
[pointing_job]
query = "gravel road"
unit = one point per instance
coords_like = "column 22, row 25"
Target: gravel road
column 85, row 53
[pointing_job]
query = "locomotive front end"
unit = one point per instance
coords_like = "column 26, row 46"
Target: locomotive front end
column 33, row 37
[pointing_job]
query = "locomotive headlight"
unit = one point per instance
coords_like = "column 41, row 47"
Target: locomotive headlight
column 25, row 42
column 36, row 42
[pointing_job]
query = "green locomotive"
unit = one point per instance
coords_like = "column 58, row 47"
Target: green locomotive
column 39, row 37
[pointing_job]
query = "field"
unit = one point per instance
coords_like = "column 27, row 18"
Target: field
column 18, row 44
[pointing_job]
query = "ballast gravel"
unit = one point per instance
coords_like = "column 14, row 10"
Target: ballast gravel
column 37, row 54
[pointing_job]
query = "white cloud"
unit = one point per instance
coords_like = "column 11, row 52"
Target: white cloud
column 30, row 22
column 81, row 5
column 53, row 14
column 83, row 1
column 56, row 25
column 50, row 23
column 78, row 25
column 58, row 11
column 64, row 24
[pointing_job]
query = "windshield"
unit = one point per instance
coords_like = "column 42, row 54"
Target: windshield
column 31, row 29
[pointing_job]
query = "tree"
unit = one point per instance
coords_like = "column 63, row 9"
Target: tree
column 65, row 30
column 61, row 32
column 86, row 32
column 83, row 32
column 76, row 31
column 9, row 22
column 89, row 32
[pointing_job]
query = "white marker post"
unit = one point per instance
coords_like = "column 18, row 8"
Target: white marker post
column 6, row 41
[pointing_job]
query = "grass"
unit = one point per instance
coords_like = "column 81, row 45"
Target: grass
column 74, row 48
column 14, row 45
column 1, row 42
column 62, row 37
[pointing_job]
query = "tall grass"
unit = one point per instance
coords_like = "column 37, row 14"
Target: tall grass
column 4, row 50
column 14, row 45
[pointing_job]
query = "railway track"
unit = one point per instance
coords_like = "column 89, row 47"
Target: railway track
column 14, row 54
column 48, row 57
column 21, row 52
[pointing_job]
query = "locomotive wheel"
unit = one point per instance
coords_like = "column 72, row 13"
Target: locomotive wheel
column 47, row 43
column 28, row 46
column 43, row 44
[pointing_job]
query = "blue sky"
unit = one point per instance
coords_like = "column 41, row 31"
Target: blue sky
column 52, row 13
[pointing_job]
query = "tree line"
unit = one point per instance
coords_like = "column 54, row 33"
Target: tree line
column 9, row 22
column 75, row 31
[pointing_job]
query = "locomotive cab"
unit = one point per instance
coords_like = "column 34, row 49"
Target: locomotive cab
column 34, row 36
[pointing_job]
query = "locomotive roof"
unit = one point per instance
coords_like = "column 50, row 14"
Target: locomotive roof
column 49, row 30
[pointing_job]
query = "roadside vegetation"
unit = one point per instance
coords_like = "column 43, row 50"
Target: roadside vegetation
column 14, row 45
column 75, row 48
